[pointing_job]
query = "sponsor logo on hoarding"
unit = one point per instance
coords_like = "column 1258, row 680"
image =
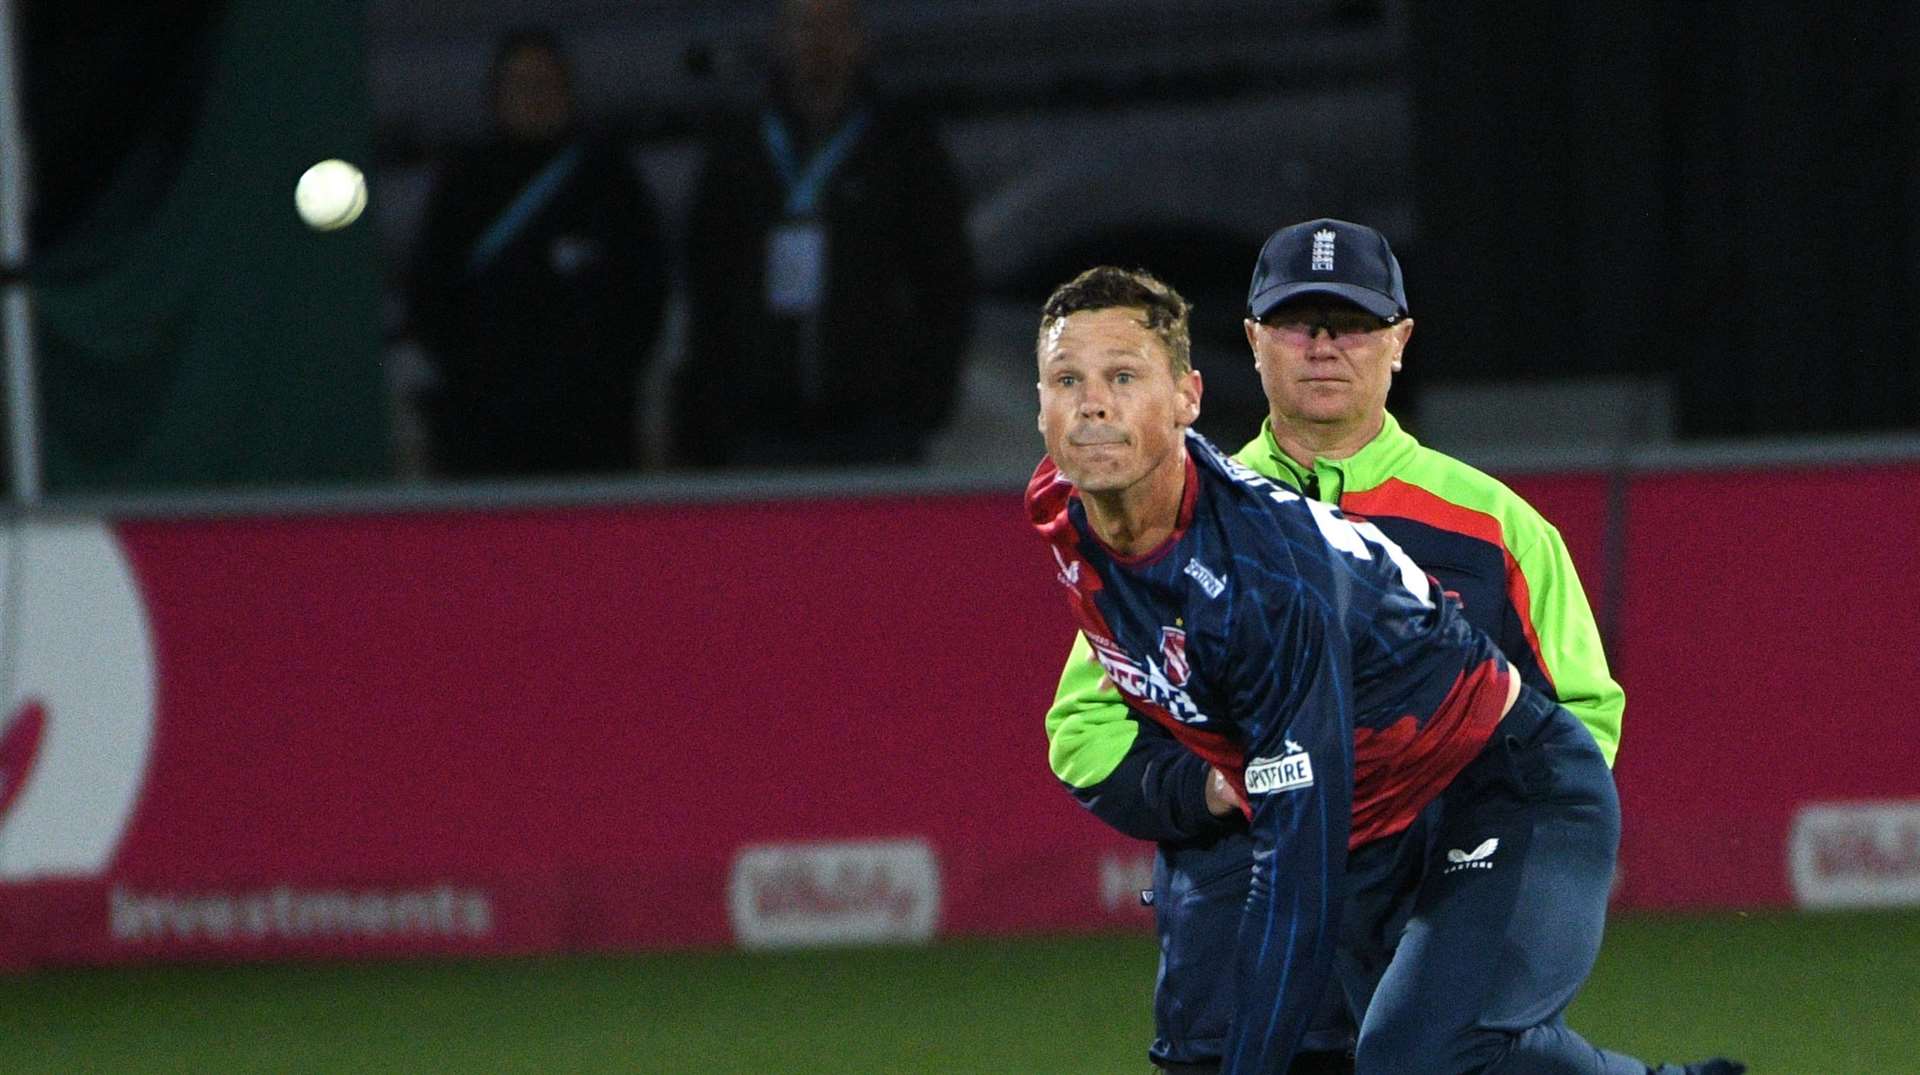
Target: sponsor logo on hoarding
column 20, row 738
column 1863, row 854
column 294, row 914
column 76, row 701
column 785, row 895
column 1126, row 881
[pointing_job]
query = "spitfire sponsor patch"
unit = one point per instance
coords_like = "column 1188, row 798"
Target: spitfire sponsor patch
column 1288, row 772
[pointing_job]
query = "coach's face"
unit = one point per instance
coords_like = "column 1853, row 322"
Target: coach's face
column 1111, row 407
column 1325, row 361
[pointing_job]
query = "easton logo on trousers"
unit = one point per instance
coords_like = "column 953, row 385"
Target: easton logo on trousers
column 1480, row 858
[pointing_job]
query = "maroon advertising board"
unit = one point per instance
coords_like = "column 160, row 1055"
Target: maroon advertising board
column 787, row 723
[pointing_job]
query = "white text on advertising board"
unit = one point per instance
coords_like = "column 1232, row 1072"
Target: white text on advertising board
column 788, row 895
column 1862, row 854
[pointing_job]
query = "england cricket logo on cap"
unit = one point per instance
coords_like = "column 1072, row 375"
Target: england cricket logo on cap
column 1323, row 250
column 77, row 683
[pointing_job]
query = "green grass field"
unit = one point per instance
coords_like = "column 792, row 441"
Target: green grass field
column 1792, row 994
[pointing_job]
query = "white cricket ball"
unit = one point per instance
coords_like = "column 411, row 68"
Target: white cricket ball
column 330, row 195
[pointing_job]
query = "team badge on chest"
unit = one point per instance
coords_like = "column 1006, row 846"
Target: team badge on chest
column 1173, row 655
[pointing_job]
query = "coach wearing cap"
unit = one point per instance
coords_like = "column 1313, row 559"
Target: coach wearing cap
column 1327, row 319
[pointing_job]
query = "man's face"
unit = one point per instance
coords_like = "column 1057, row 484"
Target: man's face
column 1111, row 408
column 532, row 99
column 820, row 47
column 1322, row 360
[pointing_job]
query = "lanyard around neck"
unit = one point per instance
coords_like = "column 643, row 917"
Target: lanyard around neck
column 804, row 183
column 520, row 212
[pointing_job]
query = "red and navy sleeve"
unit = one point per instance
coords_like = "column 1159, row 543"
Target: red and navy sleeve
column 1157, row 791
column 1295, row 688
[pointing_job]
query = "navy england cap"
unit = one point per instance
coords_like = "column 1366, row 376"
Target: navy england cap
column 1328, row 257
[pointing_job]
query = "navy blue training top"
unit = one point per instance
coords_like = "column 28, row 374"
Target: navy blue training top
column 1306, row 656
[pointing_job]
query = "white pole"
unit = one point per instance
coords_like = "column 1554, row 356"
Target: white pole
column 23, row 418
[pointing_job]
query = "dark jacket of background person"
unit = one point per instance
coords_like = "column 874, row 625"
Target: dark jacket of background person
column 538, row 331
column 873, row 372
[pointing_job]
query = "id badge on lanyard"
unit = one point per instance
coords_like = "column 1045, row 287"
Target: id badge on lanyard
column 796, row 268
column 798, row 247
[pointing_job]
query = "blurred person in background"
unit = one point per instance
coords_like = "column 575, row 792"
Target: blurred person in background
column 1328, row 324
column 831, row 283
column 538, row 285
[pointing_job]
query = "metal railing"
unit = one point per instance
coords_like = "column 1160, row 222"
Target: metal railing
column 16, row 314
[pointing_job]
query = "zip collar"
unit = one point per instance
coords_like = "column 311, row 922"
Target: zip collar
column 1330, row 479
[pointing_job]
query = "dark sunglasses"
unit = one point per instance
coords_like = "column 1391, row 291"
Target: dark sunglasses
column 1300, row 325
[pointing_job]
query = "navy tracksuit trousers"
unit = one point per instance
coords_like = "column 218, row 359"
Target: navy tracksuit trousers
column 1507, row 921
column 1464, row 939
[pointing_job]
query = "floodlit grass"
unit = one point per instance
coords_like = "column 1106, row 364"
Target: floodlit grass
column 1825, row 994
column 1793, row 994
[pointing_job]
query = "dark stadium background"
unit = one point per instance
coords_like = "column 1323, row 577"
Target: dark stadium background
column 1641, row 239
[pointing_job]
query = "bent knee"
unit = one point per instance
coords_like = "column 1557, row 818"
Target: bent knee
column 1417, row 1048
